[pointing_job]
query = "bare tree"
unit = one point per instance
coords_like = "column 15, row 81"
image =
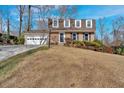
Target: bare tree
column 67, row 11
column 117, row 24
column 29, row 18
column 21, row 13
column 25, row 24
column 8, row 28
column 1, row 21
column 7, row 18
column 44, row 12
column 106, row 39
column 102, row 28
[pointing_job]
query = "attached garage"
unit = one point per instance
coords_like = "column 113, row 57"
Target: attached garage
column 36, row 37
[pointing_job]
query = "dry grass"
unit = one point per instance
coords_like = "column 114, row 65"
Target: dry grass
column 67, row 67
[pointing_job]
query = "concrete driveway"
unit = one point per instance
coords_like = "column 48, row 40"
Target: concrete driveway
column 11, row 50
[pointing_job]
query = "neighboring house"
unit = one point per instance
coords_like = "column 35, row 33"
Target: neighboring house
column 61, row 29
column 14, row 33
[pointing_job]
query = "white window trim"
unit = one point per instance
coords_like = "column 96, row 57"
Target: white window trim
column 53, row 23
column 76, row 24
column 76, row 35
column 64, row 37
column 87, row 23
column 69, row 23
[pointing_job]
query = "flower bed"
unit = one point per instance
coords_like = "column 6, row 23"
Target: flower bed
column 95, row 45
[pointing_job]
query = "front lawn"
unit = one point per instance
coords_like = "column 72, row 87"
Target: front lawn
column 62, row 66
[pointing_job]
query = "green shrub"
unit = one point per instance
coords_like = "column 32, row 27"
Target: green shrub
column 95, row 44
column 120, row 51
column 15, row 40
column 98, row 41
column 21, row 39
column 92, row 43
column 78, row 43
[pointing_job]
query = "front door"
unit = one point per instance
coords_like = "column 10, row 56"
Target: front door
column 61, row 37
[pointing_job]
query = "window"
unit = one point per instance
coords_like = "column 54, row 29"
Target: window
column 67, row 23
column 55, row 23
column 88, row 23
column 74, row 36
column 85, row 36
column 78, row 23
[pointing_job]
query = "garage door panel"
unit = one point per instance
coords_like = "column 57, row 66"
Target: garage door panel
column 36, row 40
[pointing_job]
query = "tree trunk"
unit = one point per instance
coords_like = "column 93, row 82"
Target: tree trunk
column 29, row 18
column 1, row 25
column 8, row 29
column 20, row 28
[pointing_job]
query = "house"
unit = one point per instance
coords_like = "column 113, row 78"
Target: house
column 61, row 29
column 71, row 28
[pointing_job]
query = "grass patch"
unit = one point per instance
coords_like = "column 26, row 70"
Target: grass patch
column 8, row 64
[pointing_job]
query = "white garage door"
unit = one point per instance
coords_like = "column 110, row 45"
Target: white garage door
column 36, row 40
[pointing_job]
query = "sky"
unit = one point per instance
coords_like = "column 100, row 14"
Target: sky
column 110, row 12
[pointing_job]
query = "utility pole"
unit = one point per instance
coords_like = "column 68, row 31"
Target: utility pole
column 50, row 28
column 49, row 37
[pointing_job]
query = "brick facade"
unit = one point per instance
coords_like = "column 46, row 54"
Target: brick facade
column 80, row 32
